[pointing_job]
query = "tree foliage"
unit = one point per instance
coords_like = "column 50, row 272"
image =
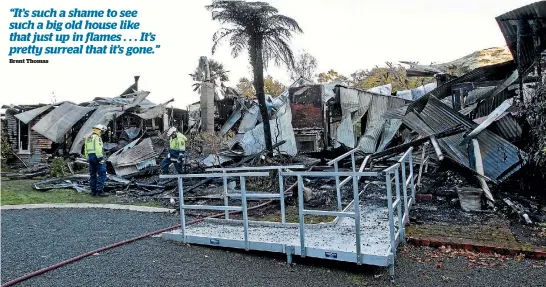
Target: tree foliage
column 6, row 148
column 258, row 28
column 368, row 78
column 389, row 74
column 305, row 66
column 271, row 87
column 218, row 76
column 332, row 76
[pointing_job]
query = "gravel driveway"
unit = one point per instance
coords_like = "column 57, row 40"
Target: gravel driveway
column 33, row 239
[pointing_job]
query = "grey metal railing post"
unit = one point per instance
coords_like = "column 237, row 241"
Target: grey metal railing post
column 404, row 189
column 353, row 162
column 226, row 199
column 391, row 212
column 338, row 188
column 399, row 205
column 245, row 211
column 182, row 213
column 281, row 192
column 301, row 215
column 412, row 186
column 357, row 219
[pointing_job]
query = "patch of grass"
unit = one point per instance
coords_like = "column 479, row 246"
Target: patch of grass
column 23, row 192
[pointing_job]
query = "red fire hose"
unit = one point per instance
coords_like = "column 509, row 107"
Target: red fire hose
column 74, row 259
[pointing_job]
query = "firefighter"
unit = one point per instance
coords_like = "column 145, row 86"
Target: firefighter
column 177, row 151
column 94, row 155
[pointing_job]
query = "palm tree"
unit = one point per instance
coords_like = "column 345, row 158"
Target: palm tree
column 218, row 76
column 256, row 27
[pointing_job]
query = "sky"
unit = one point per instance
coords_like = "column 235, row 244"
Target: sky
column 344, row 35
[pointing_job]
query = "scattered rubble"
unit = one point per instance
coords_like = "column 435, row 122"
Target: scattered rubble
column 466, row 128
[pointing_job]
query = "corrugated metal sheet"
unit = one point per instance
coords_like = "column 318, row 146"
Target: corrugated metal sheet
column 125, row 170
column 478, row 93
column 249, row 120
column 418, row 92
column 354, row 103
column 505, row 126
column 138, row 98
column 423, row 68
column 374, row 124
column 233, row 141
column 147, row 163
column 281, row 129
column 389, row 130
column 487, row 73
column 395, row 113
column 233, row 118
column 58, row 122
column 345, row 133
column 414, row 122
column 448, row 102
column 390, row 126
column 406, row 94
column 508, row 128
column 488, row 105
column 28, row 116
column 466, row 111
column 385, row 90
column 500, row 158
column 154, row 112
column 496, row 97
column 329, row 92
column 103, row 115
column 140, row 152
column 214, row 160
column 535, row 11
column 134, row 157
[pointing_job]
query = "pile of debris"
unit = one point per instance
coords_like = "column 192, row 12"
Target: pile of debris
column 36, row 134
column 465, row 122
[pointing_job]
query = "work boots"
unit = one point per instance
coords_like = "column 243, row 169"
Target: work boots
column 100, row 193
column 93, row 192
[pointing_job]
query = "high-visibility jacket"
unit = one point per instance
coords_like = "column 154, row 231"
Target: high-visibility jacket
column 178, row 143
column 93, row 144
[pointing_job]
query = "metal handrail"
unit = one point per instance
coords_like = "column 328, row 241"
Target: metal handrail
column 396, row 175
column 356, row 203
column 243, row 207
column 251, row 168
column 279, row 168
column 407, row 179
column 342, row 156
column 207, row 175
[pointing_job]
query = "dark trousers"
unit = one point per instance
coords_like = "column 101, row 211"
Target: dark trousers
column 166, row 162
column 96, row 168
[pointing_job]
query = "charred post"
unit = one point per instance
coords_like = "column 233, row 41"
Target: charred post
column 519, row 52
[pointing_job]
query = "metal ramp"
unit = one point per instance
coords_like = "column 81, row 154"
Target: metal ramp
column 380, row 226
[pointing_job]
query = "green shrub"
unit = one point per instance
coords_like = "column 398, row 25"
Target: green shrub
column 58, row 167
